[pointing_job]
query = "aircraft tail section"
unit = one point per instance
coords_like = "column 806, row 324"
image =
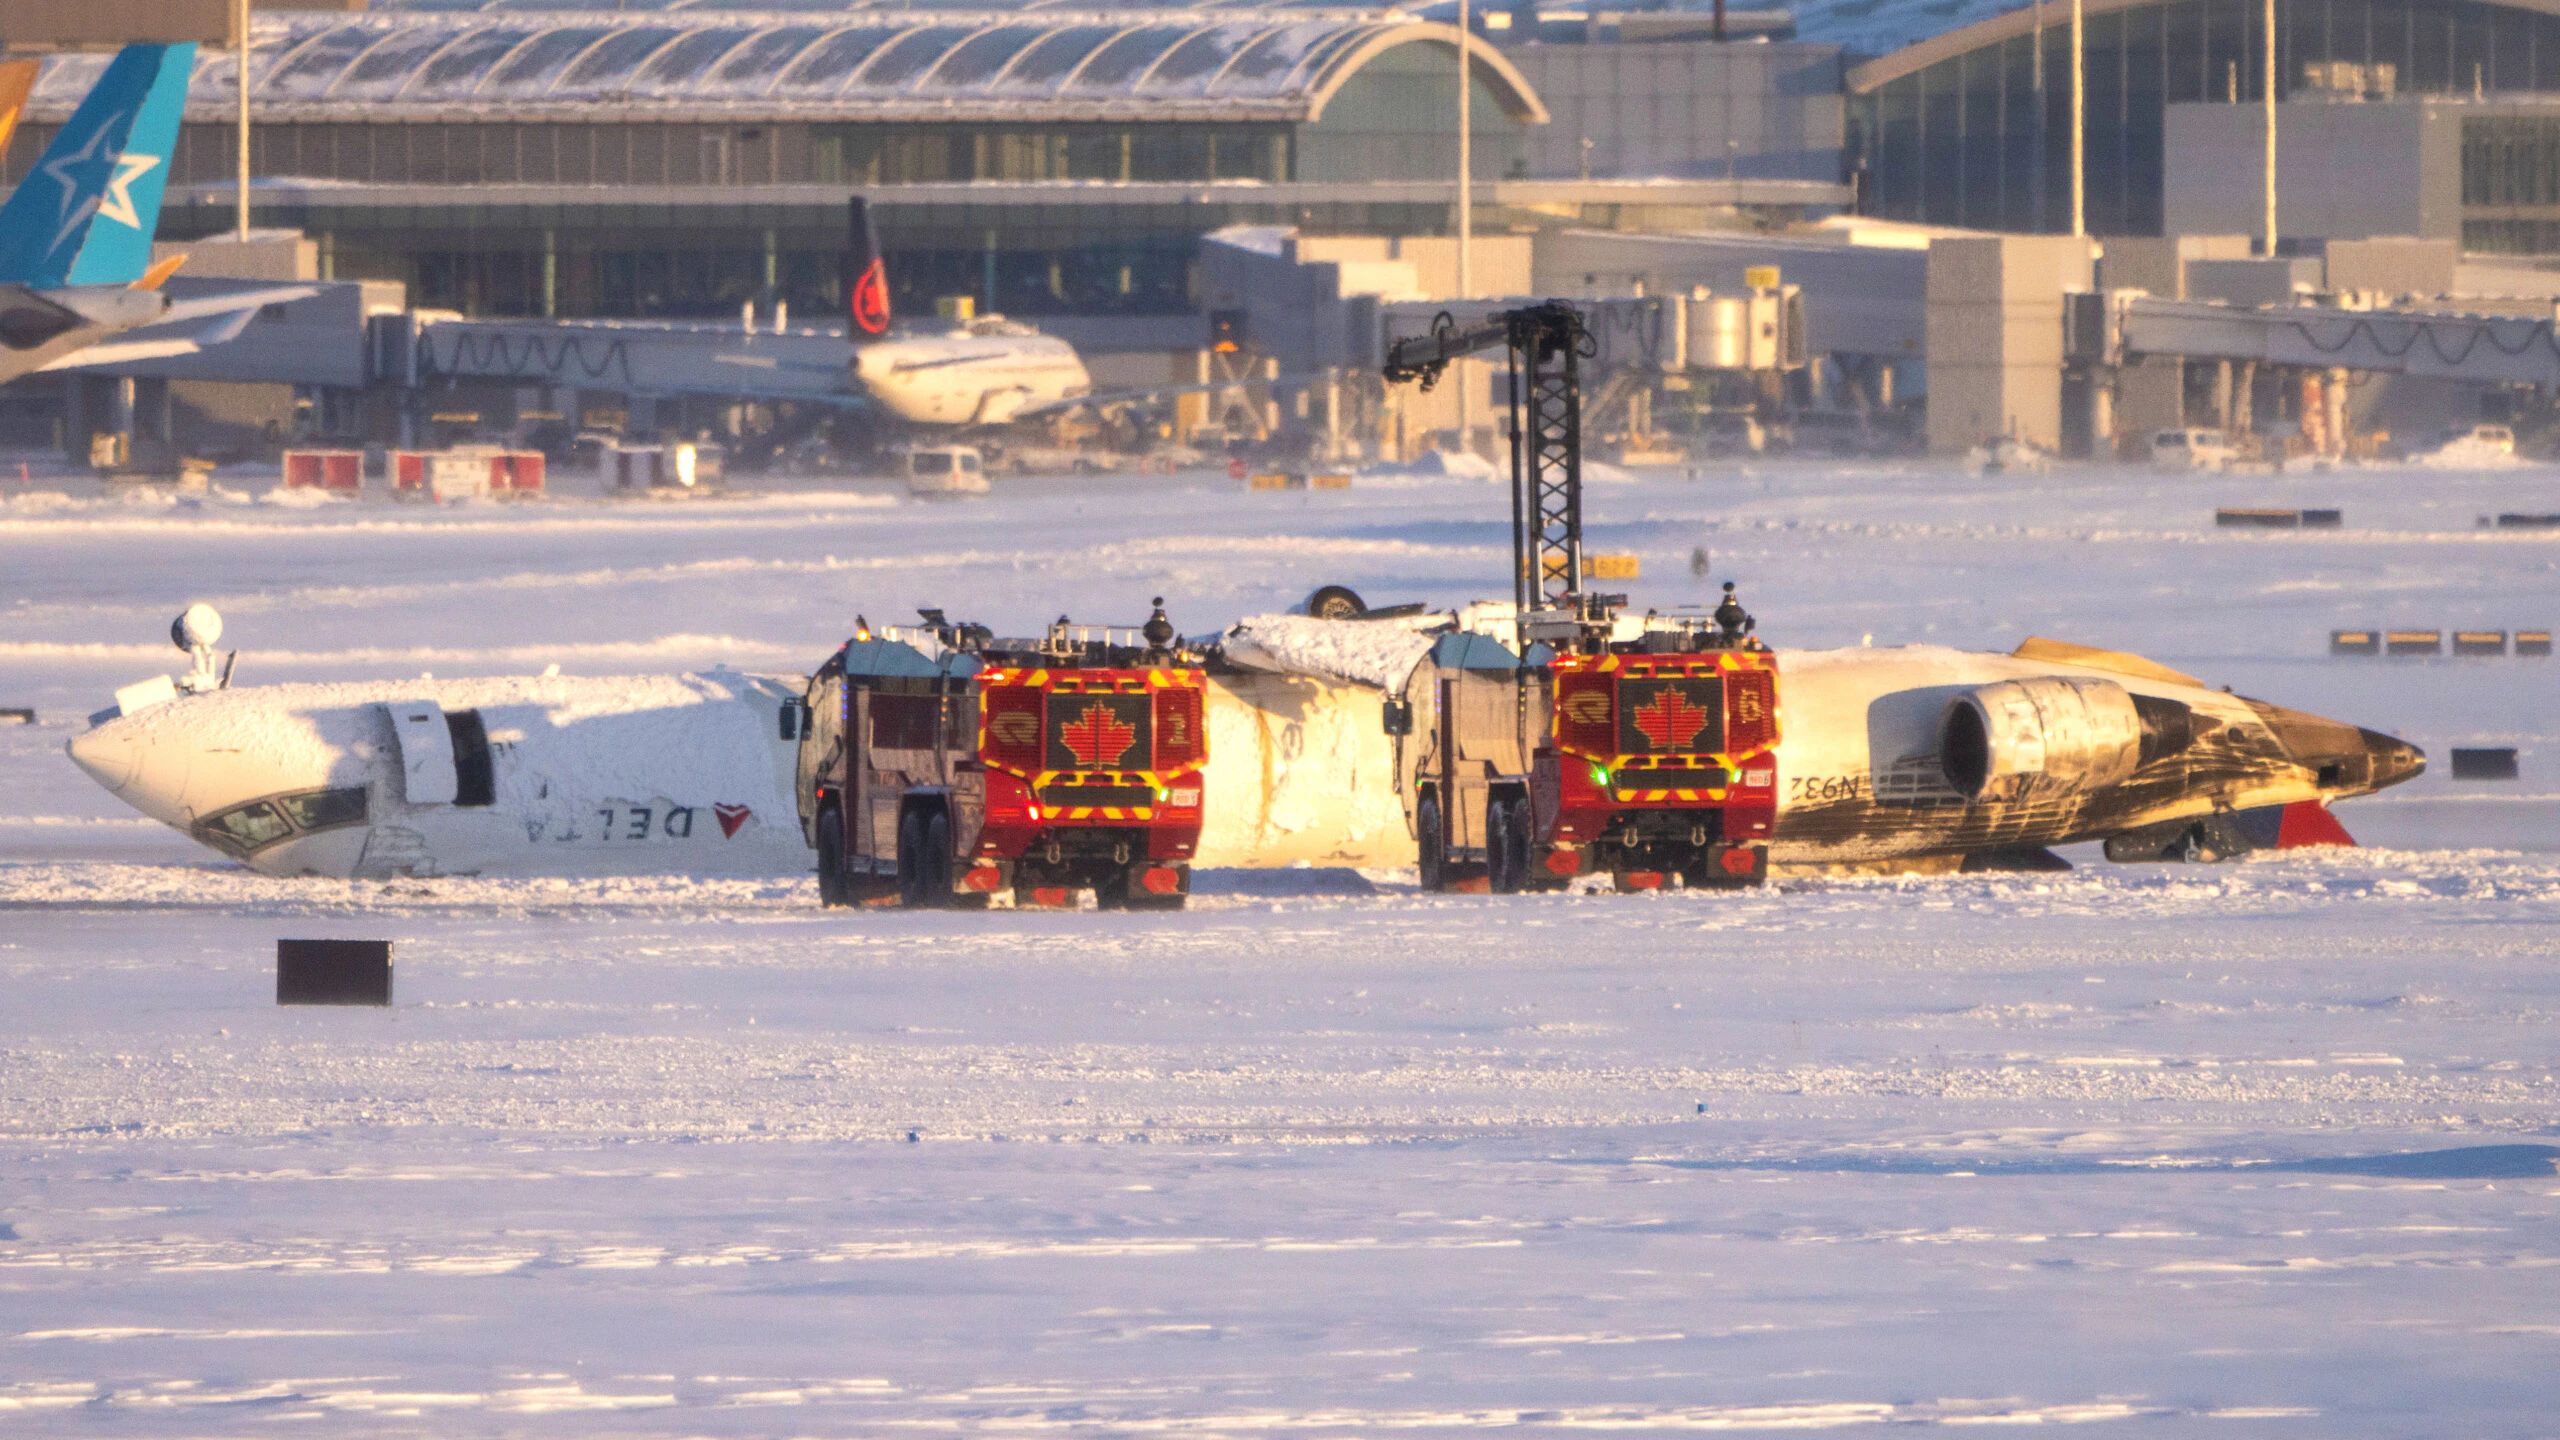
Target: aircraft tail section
column 86, row 213
column 866, row 274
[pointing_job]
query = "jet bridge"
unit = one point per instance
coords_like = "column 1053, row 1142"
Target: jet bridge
column 633, row 357
column 2449, row 345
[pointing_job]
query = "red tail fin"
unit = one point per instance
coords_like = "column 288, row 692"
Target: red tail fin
column 866, row 277
column 2308, row 822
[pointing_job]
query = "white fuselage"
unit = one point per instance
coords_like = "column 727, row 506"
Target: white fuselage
column 965, row 379
column 620, row 775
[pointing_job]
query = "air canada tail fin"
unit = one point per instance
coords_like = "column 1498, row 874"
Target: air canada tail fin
column 17, row 80
column 86, row 213
column 866, row 276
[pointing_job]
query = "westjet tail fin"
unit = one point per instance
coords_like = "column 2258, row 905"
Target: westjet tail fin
column 86, row 213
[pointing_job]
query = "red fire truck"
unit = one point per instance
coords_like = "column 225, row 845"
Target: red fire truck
column 940, row 766
column 1640, row 759
column 1636, row 748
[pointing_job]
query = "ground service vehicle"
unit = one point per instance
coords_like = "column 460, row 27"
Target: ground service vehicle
column 942, row 766
column 1638, row 748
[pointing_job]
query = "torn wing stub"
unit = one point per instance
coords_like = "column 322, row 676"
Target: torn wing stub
column 1377, row 653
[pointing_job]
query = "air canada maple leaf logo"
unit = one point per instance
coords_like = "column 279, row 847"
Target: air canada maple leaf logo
column 1098, row 737
column 1670, row 721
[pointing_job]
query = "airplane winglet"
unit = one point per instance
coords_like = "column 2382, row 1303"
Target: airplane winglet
column 160, row 271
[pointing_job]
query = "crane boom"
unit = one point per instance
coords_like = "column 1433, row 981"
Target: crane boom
column 1546, row 343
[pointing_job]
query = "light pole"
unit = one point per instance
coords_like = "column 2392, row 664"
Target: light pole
column 1466, row 160
column 243, row 198
column 2079, row 126
column 2271, row 127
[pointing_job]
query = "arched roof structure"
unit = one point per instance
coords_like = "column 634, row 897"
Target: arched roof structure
column 1043, row 61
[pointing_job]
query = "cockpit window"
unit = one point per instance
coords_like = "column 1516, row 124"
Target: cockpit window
column 260, row 823
column 247, row 827
column 324, row 809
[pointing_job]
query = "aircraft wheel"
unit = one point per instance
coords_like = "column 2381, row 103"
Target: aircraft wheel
column 1434, row 861
column 831, row 887
column 1336, row 602
column 936, row 868
column 911, row 891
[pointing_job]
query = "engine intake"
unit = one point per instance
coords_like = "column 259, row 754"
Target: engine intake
column 2050, row 735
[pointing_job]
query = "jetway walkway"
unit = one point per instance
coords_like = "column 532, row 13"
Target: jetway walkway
column 633, row 357
column 2485, row 349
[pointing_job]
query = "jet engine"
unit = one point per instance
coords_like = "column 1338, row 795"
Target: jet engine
column 2055, row 734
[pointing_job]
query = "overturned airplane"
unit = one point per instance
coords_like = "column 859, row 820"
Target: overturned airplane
column 1331, row 742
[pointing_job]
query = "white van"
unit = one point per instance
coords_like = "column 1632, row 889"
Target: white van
column 938, row 471
column 2191, row 448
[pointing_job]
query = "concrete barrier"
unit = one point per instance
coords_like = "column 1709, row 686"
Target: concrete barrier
column 2497, row 764
column 2479, row 642
column 2355, row 642
column 2248, row 517
column 2533, row 642
column 333, row 972
column 2412, row 642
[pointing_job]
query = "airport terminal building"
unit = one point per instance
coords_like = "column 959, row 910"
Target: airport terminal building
column 1972, row 127
column 1045, row 160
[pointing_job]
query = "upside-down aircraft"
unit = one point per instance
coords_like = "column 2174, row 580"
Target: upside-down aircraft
column 75, row 236
column 1894, row 759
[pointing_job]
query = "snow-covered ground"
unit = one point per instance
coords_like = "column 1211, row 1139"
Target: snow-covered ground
column 2263, row 1149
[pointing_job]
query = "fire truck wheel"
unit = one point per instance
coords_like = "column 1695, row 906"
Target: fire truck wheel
column 1434, row 862
column 1504, row 849
column 831, row 891
column 937, row 860
column 1111, row 892
column 1523, row 825
column 911, row 891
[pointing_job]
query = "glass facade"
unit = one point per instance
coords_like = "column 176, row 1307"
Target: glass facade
column 1982, row 138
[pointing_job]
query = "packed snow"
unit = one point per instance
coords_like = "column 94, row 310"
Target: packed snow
column 2258, row 1149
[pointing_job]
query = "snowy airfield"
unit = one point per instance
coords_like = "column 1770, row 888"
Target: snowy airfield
column 2263, row 1149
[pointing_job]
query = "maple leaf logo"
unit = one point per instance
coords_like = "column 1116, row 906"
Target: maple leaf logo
column 1670, row 721
column 1098, row 737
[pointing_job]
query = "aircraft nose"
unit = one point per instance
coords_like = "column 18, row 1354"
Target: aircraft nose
column 150, row 777
column 109, row 757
